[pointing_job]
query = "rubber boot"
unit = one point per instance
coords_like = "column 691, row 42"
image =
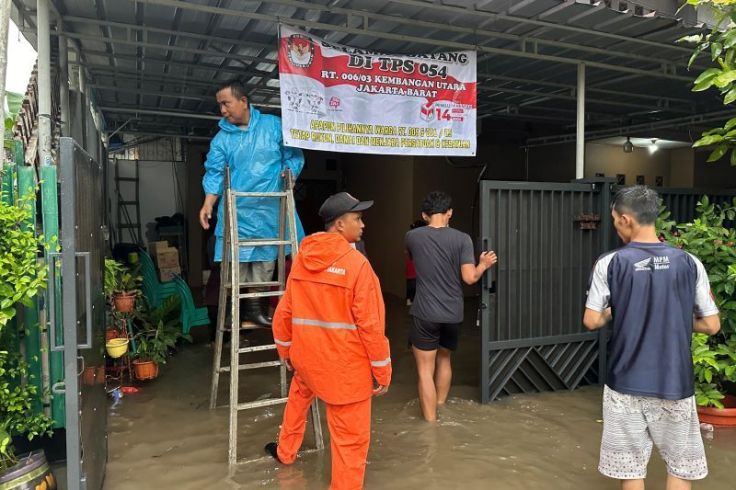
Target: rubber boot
column 266, row 309
column 254, row 313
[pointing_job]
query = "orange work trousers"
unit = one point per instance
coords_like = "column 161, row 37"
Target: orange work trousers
column 350, row 434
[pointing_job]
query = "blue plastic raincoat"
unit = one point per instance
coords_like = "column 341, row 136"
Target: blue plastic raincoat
column 256, row 157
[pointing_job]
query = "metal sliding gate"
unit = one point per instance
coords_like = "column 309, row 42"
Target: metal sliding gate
column 547, row 239
column 548, row 236
column 83, row 311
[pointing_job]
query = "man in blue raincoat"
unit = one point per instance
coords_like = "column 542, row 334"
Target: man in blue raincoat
column 251, row 145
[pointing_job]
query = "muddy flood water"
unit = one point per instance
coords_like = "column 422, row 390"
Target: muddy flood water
column 165, row 437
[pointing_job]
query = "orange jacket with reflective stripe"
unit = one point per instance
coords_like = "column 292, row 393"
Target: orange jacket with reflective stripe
column 330, row 322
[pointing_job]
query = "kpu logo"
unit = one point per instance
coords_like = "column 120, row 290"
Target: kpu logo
column 300, row 51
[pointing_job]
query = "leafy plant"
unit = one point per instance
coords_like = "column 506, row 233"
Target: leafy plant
column 119, row 279
column 720, row 43
column 714, row 363
column 707, row 237
column 130, row 282
column 22, row 276
column 14, row 101
column 17, row 415
column 158, row 329
column 111, row 282
column 153, row 345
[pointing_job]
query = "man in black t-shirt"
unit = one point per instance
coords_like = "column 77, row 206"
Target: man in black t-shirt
column 443, row 257
column 656, row 296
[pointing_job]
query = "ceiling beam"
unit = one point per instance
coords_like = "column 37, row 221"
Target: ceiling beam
column 572, row 88
column 560, row 96
column 174, row 82
column 167, row 47
column 168, row 135
column 158, row 112
column 152, row 93
column 178, row 33
column 203, row 66
column 604, row 133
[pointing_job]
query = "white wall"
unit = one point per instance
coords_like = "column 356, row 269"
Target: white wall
column 159, row 193
column 682, row 167
column 611, row 160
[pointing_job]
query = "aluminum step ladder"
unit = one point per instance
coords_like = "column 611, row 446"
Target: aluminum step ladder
column 231, row 287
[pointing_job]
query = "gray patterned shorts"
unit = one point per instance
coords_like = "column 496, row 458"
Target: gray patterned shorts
column 632, row 424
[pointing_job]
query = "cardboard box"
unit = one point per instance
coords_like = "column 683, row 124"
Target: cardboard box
column 167, row 258
column 168, row 274
column 154, row 247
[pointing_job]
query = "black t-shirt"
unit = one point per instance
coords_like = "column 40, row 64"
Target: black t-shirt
column 438, row 254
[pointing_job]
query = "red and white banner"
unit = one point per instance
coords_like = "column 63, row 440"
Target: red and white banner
column 338, row 98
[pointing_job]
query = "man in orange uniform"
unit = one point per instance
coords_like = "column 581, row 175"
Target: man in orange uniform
column 329, row 329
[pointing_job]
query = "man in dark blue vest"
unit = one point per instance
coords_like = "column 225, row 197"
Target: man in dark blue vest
column 656, row 296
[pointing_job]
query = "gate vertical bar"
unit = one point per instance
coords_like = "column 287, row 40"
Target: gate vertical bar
column 69, row 295
column 485, row 324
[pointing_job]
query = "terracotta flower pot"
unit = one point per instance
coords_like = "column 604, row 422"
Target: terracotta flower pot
column 145, row 369
column 88, row 376
column 720, row 417
column 124, row 303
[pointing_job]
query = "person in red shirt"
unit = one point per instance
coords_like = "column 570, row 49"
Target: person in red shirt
column 329, row 330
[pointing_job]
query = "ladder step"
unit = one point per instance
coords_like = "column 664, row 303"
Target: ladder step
column 253, row 365
column 262, row 242
column 258, row 194
column 127, row 179
column 262, row 294
column 261, row 403
column 128, row 203
column 256, row 284
column 256, row 348
column 245, row 325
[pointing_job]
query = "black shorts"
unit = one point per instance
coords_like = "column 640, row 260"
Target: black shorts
column 425, row 335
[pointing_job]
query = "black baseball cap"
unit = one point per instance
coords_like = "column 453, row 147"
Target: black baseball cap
column 338, row 204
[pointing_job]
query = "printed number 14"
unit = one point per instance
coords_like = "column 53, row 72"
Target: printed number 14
column 442, row 114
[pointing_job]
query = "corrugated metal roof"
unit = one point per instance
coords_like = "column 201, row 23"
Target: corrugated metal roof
column 159, row 61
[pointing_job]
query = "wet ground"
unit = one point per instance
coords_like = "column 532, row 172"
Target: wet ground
column 165, row 437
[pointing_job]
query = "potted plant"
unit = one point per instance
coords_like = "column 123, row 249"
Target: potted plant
column 706, row 237
column 158, row 331
column 17, row 417
column 152, row 351
column 714, row 358
column 122, row 284
column 22, row 276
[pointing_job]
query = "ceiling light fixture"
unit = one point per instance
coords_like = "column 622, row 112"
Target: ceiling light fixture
column 628, row 145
